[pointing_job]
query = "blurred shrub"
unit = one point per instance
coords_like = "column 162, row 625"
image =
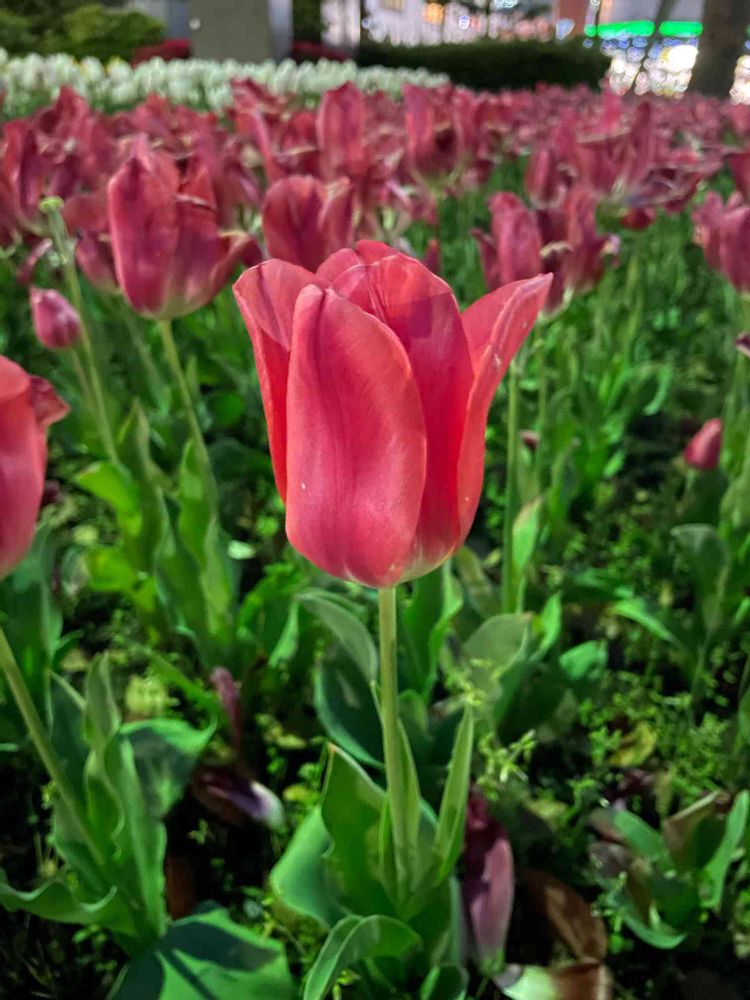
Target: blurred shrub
column 16, row 33
column 308, row 20
column 173, row 48
column 94, row 30
column 491, row 65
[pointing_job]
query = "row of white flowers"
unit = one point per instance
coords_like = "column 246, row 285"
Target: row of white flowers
column 31, row 80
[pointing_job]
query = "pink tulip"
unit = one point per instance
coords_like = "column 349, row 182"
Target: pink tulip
column 170, row 256
column 305, row 221
column 56, row 322
column 704, row 448
column 28, row 405
column 740, row 166
column 376, row 393
column 488, row 883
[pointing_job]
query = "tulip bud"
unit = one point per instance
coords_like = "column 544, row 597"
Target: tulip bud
column 488, row 883
column 704, row 448
column 56, row 322
column 530, row 439
column 742, row 343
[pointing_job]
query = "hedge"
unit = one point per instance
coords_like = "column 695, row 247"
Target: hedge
column 490, row 65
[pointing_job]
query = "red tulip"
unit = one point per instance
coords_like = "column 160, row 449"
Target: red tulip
column 28, row 405
column 341, row 131
column 376, row 392
column 488, row 883
column 704, row 448
column 170, row 256
column 305, row 221
column 56, row 322
column 724, row 231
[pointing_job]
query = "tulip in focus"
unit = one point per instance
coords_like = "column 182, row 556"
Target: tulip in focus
column 170, row 256
column 488, row 883
column 28, row 405
column 376, row 391
column 703, row 450
column 56, row 322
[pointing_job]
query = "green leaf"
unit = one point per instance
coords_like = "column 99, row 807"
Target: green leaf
column 636, row 609
column 344, row 704
column 435, row 601
column 449, row 835
column 348, row 629
column 482, row 595
column 300, row 879
column 165, row 752
column 525, row 533
column 66, row 713
column 715, row 872
column 355, row 939
column 584, row 666
column 110, row 570
column 351, row 807
column 446, row 982
column 56, row 900
column 208, row 955
column 495, row 652
column 114, row 484
column 708, row 562
column 639, row 836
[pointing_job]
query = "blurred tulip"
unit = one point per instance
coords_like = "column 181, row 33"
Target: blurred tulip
column 371, row 360
column 56, row 322
column 740, row 167
column 704, row 448
column 530, row 439
column 742, row 343
column 28, row 405
column 169, row 254
column 433, row 257
column 488, row 887
column 305, row 221
column 723, row 231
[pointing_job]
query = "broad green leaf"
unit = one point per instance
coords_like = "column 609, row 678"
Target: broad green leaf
column 715, row 872
column 653, row 930
column 525, row 533
column 351, row 806
column 639, row 836
column 115, row 484
column 482, row 595
column 299, row 878
column 347, row 629
column 449, row 835
column 165, row 753
column 66, row 713
column 110, row 570
column 496, row 650
column 344, row 704
column 208, row 955
column 446, row 982
column 56, row 900
column 708, row 561
column 435, row 601
column 636, row 609
column 353, row 940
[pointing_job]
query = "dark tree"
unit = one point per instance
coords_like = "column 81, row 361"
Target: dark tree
column 721, row 45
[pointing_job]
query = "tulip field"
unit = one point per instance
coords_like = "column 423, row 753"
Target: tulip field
column 374, row 543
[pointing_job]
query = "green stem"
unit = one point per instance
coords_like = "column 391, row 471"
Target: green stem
column 389, row 719
column 511, row 491
column 64, row 249
column 44, row 748
column 201, row 452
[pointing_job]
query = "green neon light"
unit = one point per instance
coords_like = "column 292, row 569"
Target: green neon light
column 681, row 29
column 644, row 29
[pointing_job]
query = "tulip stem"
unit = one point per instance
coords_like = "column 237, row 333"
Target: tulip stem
column 511, row 492
column 201, row 452
column 389, row 720
column 64, row 249
column 44, row 748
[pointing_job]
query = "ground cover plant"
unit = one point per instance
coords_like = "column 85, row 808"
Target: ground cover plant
column 374, row 554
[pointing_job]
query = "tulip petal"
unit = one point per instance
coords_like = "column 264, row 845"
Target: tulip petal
column 421, row 310
column 143, row 223
column 266, row 295
column 495, row 326
column 356, row 449
column 365, row 252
